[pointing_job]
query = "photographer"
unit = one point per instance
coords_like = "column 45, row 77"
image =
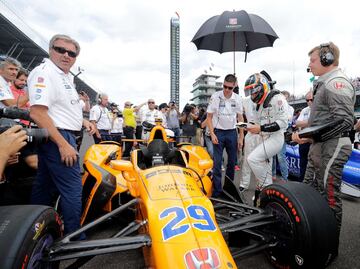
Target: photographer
column 188, row 119
column 173, row 117
column 11, row 141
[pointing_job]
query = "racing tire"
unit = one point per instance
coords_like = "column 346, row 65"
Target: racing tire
column 26, row 232
column 306, row 231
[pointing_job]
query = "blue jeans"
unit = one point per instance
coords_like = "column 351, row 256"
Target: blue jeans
column 281, row 157
column 53, row 177
column 228, row 140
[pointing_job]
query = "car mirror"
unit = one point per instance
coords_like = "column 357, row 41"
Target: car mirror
column 205, row 164
column 122, row 165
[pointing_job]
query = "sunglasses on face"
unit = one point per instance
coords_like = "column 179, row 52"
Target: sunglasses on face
column 308, row 100
column 61, row 50
column 151, row 102
column 228, row 87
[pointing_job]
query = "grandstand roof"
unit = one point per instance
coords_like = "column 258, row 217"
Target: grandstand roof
column 16, row 44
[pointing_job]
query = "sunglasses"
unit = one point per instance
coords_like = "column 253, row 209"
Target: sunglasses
column 61, row 50
column 308, row 100
column 228, row 87
column 151, row 102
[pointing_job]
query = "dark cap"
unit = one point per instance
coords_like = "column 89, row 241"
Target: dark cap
column 172, row 102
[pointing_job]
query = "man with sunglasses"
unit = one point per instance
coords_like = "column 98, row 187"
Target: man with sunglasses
column 223, row 112
column 150, row 114
column 55, row 106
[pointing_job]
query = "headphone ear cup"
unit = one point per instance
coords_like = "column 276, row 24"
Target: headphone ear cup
column 326, row 58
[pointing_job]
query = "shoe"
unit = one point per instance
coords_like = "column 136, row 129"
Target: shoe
column 237, row 168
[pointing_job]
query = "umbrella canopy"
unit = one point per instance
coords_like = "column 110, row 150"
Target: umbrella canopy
column 234, row 31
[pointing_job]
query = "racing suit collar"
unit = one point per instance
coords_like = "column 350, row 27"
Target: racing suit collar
column 327, row 75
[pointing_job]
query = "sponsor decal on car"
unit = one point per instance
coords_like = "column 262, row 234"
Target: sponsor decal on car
column 202, row 258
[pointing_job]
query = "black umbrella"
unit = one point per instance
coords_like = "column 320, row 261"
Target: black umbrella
column 234, row 31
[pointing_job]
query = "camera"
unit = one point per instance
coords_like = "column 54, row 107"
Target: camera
column 35, row 135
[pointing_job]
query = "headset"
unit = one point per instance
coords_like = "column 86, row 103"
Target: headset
column 326, row 55
column 99, row 98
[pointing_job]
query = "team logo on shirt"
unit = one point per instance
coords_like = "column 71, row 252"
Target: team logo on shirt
column 37, row 96
column 40, row 80
column 38, row 90
column 67, row 86
column 339, row 85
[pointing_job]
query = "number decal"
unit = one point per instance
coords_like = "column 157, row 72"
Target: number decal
column 193, row 212
column 170, row 228
column 200, row 217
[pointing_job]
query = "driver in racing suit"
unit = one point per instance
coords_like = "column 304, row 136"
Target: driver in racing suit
column 270, row 123
column 334, row 99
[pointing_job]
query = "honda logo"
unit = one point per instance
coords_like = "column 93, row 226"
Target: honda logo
column 204, row 258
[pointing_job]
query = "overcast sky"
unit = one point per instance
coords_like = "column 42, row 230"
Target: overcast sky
column 125, row 45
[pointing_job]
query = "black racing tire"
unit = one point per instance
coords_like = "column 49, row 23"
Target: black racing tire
column 306, row 231
column 26, row 232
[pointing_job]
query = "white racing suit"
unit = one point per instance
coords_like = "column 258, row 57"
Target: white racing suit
column 273, row 119
column 250, row 143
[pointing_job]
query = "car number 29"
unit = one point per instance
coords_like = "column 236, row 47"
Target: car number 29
column 200, row 219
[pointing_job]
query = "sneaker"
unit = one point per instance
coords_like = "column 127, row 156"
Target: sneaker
column 237, row 168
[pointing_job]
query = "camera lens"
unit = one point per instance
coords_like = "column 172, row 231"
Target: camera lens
column 37, row 136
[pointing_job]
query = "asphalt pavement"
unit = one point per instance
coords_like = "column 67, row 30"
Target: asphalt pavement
column 349, row 250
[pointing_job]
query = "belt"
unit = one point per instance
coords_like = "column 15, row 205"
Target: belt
column 76, row 133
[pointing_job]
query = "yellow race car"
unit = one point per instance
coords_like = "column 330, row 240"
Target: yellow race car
column 166, row 190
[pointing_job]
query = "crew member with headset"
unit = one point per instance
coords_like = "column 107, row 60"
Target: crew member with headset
column 333, row 103
column 270, row 123
column 101, row 117
column 55, row 106
column 225, row 108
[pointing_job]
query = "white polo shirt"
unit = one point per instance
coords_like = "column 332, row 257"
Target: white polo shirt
column 5, row 91
column 51, row 87
column 102, row 116
column 304, row 114
column 225, row 110
column 150, row 115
